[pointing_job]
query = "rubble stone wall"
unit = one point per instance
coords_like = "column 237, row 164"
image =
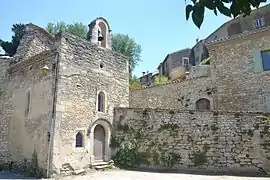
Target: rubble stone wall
column 85, row 70
column 209, row 141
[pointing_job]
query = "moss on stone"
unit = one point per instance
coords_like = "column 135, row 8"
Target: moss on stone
column 125, row 128
column 115, row 142
column 214, row 127
column 170, row 159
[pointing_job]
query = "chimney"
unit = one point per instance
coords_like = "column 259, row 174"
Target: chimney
column 147, row 72
column 143, row 73
column 197, row 40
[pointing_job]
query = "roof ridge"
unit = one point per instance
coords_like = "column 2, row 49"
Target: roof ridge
column 243, row 34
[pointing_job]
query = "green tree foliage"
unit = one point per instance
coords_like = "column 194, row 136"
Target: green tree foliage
column 226, row 7
column 134, row 82
column 127, row 46
column 160, row 79
column 10, row 47
column 77, row 29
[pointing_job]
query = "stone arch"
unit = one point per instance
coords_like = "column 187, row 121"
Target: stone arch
column 203, row 104
column 106, row 125
column 104, row 32
column 104, row 21
column 94, row 27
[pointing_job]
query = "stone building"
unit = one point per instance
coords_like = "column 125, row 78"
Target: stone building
column 257, row 19
column 174, row 60
column 56, row 101
column 214, row 120
column 236, row 80
column 148, row 78
column 56, row 98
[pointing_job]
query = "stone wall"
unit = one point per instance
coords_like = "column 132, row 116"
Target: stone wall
column 234, row 81
column 199, row 71
column 179, row 95
column 191, row 140
column 4, row 110
column 35, row 41
column 29, row 129
column 236, row 69
column 86, row 69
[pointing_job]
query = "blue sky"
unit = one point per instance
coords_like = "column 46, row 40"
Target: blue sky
column 159, row 26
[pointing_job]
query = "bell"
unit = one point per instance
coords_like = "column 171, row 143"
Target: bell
column 100, row 36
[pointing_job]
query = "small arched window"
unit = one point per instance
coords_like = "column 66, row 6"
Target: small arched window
column 203, row 104
column 27, row 108
column 79, row 139
column 101, row 102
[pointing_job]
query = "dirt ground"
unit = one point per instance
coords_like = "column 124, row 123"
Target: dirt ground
column 136, row 175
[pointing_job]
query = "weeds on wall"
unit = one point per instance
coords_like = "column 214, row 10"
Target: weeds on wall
column 199, row 157
column 172, row 128
column 170, row 159
column 33, row 168
column 130, row 154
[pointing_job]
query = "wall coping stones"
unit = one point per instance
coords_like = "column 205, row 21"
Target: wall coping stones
column 219, row 112
column 181, row 79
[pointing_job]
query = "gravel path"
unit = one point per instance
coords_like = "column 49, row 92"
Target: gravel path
column 135, row 175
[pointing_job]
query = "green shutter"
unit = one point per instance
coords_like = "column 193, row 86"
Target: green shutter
column 257, row 60
column 267, row 102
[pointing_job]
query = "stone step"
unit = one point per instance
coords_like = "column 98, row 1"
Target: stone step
column 100, row 163
column 101, row 167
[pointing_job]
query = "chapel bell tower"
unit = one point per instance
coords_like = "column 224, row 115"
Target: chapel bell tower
column 100, row 33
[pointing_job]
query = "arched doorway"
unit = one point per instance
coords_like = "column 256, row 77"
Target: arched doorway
column 99, row 143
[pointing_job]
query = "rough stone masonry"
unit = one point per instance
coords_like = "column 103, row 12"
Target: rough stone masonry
column 64, row 102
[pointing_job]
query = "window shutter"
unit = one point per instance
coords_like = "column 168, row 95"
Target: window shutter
column 257, row 60
column 267, row 102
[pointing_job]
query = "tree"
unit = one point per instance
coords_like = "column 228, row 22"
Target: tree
column 127, row 46
column 226, row 7
column 134, row 82
column 77, row 29
column 11, row 47
column 160, row 79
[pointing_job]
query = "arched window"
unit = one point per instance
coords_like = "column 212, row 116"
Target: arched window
column 27, row 108
column 203, row 104
column 101, row 102
column 79, row 139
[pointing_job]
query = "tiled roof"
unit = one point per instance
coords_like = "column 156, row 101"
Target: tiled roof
column 234, row 19
column 237, row 36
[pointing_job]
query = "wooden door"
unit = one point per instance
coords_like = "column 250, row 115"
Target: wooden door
column 99, row 143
